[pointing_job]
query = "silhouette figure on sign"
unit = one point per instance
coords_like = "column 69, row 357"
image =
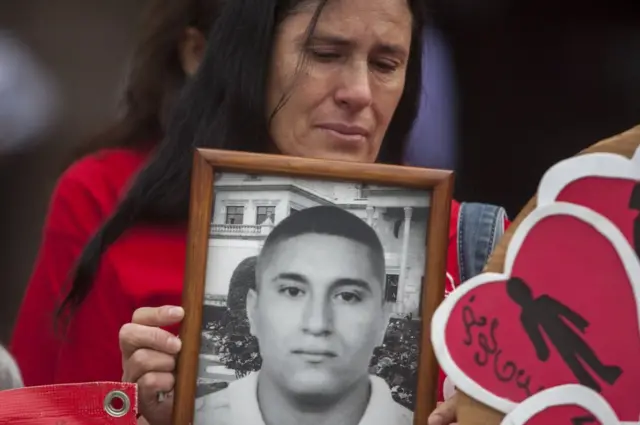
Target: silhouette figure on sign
column 554, row 318
column 634, row 204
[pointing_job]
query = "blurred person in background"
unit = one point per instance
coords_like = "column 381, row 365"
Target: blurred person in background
column 29, row 99
column 106, row 190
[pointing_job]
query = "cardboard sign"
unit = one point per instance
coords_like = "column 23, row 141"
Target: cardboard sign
column 564, row 405
column 112, row 403
column 563, row 312
column 604, row 182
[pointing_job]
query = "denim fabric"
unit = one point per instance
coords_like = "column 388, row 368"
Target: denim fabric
column 480, row 227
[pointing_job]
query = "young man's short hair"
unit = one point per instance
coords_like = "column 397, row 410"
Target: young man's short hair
column 325, row 220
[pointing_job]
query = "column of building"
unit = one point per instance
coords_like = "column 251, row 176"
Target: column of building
column 408, row 211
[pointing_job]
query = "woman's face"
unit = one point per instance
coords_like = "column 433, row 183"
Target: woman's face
column 338, row 105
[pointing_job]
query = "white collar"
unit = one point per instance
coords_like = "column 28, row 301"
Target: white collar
column 243, row 399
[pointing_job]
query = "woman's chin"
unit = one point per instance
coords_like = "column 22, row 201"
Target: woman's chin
column 334, row 153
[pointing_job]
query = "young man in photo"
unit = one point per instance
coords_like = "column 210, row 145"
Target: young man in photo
column 318, row 312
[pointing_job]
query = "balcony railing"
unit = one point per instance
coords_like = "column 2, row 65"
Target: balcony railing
column 240, row 229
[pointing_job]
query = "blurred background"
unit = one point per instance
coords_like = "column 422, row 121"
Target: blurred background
column 513, row 86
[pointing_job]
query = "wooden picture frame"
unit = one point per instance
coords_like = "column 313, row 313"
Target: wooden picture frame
column 208, row 163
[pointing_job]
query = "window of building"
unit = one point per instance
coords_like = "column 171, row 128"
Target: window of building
column 263, row 213
column 391, row 288
column 235, row 215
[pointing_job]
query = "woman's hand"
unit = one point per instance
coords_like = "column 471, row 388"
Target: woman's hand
column 149, row 359
column 445, row 413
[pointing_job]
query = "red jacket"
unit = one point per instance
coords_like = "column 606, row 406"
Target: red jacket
column 145, row 268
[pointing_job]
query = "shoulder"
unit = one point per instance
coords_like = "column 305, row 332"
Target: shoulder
column 479, row 212
column 403, row 416
column 90, row 188
column 216, row 405
column 115, row 166
column 382, row 406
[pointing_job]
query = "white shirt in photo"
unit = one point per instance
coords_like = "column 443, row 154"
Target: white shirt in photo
column 238, row 405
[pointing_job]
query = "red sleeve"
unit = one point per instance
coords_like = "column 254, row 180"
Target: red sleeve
column 84, row 196
column 91, row 350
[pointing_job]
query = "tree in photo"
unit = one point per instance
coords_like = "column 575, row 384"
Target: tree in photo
column 396, row 360
column 238, row 348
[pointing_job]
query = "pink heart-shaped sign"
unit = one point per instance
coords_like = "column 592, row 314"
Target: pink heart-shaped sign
column 565, row 311
column 563, row 405
column 604, row 182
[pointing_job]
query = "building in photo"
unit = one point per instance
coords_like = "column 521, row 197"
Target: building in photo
column 247, row 207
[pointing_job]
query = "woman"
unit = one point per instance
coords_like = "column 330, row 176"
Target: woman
column 359, row 66
column 360, row 74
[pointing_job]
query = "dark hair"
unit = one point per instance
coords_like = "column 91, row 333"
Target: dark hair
column 228, row 91
column 323, row 220
column 155, row 75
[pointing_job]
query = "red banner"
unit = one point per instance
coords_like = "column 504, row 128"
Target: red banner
column 113, row 403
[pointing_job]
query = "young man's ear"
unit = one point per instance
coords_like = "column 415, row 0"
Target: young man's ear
column 192, row 47
column 252, row 305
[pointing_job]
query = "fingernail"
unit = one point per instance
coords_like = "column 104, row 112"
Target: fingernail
column 175, row 344
column 176, row 312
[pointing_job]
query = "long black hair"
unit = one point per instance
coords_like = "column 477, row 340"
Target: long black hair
column 227, row 92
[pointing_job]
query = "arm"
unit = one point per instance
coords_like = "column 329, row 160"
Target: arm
column 533, row 331
column 90, row 351
column 85, row 194
column 35, row 342
column 578, row 321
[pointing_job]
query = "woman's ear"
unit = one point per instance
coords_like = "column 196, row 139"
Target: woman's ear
column 192, row 47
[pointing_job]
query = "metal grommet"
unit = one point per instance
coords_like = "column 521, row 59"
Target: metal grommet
column 113, row 411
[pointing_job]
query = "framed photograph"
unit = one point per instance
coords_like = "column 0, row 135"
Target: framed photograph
column 309, row 291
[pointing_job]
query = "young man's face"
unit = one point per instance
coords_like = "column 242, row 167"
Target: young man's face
column 318, row 314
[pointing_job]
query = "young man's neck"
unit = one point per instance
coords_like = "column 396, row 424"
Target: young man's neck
column 278, row 409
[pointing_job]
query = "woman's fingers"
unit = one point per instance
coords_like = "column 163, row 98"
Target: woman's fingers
column 156, row 382
column 134, row 337
column 153, row 384
column 149, row 358
column 158, row 316
column 445, row 413
column 145, row 361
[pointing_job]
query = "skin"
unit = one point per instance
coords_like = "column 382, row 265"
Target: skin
column 317, row 327
column 353, row 76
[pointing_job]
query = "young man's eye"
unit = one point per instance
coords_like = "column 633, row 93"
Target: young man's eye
column 291, row 291
column 349, row 297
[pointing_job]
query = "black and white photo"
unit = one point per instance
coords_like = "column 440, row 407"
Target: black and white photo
column 312, row 302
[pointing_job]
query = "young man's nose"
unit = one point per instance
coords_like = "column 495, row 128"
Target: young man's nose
column 318, row 317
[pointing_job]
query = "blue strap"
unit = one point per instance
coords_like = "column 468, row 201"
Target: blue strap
column 480, row 227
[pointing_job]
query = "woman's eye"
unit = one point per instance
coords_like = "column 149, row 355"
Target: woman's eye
column 386, row 67
column 325, row 55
